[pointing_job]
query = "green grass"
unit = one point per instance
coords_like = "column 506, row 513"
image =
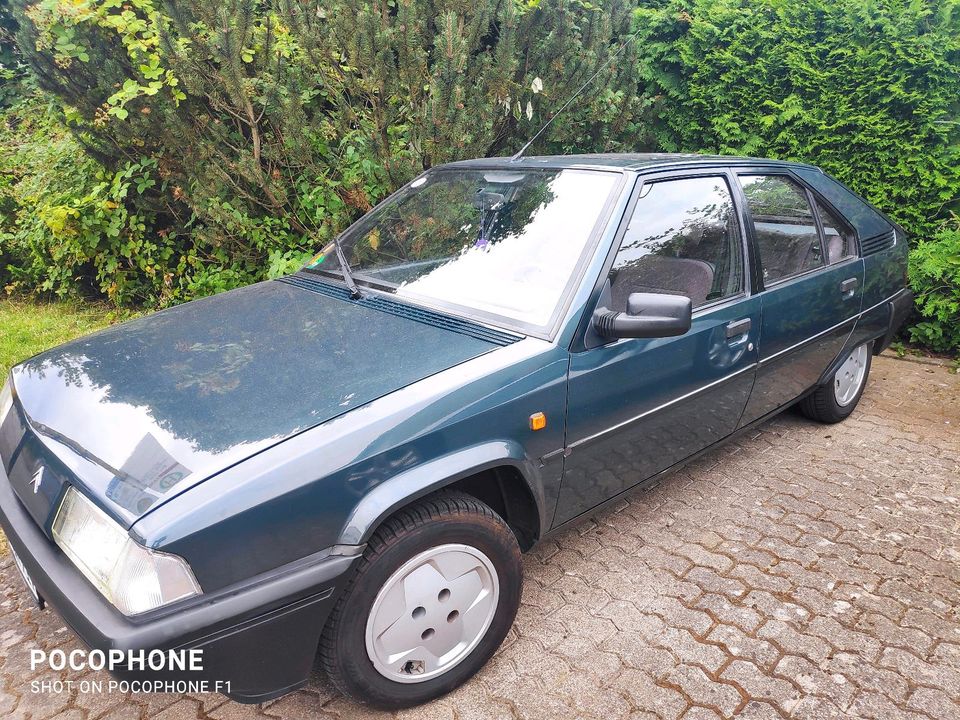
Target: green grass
column 27, row 328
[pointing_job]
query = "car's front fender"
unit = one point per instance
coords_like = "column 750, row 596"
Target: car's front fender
column 433, row 475
column 335, row 480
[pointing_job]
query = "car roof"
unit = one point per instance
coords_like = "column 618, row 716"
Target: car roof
column 620, row 161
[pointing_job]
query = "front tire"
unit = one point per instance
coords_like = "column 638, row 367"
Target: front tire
column 835, row 401
column 435, row 594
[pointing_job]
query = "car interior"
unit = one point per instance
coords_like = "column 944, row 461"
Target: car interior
column 694, row 260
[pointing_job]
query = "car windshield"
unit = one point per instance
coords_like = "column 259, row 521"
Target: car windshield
column 502, row 244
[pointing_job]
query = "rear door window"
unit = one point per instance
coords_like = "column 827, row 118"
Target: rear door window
column 784, row 226
column 838, row 241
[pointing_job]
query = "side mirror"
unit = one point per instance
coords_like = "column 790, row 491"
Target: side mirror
column 648, row 315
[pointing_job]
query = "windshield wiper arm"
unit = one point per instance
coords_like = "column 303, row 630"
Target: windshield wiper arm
column 345, row 269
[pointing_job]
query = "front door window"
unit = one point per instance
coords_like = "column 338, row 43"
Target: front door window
column 682, row 239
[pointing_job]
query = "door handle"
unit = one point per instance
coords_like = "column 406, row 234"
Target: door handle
column 848, row 286
column 738, row 328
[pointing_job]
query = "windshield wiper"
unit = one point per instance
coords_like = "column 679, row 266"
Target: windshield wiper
column 345, row 268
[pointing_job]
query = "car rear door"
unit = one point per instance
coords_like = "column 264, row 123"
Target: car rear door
column 638, row 406
column 810, row 281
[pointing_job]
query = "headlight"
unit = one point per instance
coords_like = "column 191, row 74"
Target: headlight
column 132, row 577
column 6, row 401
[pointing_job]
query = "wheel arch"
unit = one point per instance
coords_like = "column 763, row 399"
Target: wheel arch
column 496, row 473
column 854, row 341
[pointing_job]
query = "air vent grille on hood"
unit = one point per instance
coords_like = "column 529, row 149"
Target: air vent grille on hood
column 410, row 312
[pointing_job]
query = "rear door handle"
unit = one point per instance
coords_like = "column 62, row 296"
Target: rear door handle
column 738, row 328
column 849, row 285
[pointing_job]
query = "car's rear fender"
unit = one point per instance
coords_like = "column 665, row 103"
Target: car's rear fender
column 877, row 324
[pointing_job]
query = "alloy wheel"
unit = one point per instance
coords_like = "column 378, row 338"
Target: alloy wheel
column 431, row 613
column 849, row 378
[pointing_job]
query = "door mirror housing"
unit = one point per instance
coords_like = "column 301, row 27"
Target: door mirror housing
column 648, row 315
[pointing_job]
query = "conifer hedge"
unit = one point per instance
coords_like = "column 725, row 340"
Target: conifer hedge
column 159, row 150
column 869, row 90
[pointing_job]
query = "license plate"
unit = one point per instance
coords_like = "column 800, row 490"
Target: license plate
column 27, row 580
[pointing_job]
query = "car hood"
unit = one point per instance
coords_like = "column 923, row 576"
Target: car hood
column 160, row 403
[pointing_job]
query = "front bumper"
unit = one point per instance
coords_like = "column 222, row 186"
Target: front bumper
column 259, row 638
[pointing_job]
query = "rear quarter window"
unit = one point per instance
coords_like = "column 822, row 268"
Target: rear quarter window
column 868, row 222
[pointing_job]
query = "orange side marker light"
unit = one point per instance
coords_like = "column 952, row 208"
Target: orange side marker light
column 538, row 421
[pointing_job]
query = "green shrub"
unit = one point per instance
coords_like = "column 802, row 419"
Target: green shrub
column 935, row 277
column 270, row 125
column 66, row 223
column 69, row 226
column 215, row 144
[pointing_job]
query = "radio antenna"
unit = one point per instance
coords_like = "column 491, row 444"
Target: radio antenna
column 614, row 54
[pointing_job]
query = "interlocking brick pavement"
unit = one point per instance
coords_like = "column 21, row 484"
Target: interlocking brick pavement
column 801, row 571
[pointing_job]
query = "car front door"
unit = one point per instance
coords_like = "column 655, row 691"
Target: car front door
column 812, row 282
column 638, row 406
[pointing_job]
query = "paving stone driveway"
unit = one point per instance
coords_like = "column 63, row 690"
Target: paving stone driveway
column 803, row 571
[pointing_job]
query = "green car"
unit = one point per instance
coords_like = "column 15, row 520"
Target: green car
column 349, row 461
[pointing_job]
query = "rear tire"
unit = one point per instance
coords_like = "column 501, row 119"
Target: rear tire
column 449, row 555
column 836, row 400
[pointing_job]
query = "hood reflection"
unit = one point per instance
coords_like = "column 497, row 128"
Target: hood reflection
column 148, row 474
column 172, row 398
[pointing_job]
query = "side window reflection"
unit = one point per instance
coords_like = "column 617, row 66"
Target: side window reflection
column 682, row 239
column 837, row 238
column 784, row 227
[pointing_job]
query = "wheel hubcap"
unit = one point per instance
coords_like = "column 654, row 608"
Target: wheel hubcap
column 849, row 378
column 431, row 613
